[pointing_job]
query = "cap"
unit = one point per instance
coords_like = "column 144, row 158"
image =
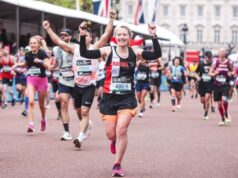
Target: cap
column 67, row 30
column 208, row 53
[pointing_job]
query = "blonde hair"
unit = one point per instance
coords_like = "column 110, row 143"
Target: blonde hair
column 125, row 27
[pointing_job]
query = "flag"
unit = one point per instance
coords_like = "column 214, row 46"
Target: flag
column 102, row 7
column 139, row 15
column 154, row 17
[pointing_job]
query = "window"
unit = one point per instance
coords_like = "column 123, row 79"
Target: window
column 130, row 9
column 217, row 35
column 234, row 36
column 235, row 11
column 182, row 10
column 199, row 35
column 166, row 10
column 217, row 10
column 200, row 11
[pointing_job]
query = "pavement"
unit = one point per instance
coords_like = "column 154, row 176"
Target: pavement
column 162, row 144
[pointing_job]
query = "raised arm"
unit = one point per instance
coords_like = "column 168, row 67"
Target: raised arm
column 92, row 54
column 55, row 38
column 151, row 55
column 108, row 31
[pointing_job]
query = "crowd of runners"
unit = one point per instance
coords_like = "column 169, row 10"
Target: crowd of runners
column 121, row 76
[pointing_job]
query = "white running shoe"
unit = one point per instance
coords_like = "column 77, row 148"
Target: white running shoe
column 158, row 104
column 221, row 123
column 66, row 136
column 47, row 106
column 88, row 130
column 179, row 106
column 141, row 114
column 205, row 118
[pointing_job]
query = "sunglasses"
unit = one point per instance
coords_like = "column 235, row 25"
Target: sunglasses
column 64, row 34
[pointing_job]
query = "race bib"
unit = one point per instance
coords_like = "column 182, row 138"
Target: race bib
column 232, row 83
column 121, row 86
column 84, row 67
column 221, row 79
column 33, row 72
column 55, row 74
column 141, row 76
column 48, row 73
column 67, row 73
column 6, row 69
column 206, row 77
column 154, row 74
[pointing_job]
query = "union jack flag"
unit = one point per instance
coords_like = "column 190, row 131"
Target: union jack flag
column 102, row 7
column 139, row 15
column 154, row 17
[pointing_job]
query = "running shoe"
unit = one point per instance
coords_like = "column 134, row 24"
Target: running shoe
column 59, row 116
column 141, row 114
column 113, row 147
column 77, row 143
column 150, row 106
column 158, row 104
column 205, row 118
column 88, row 130
column 179, row 106
column 24, row 113
column 43, row 125
column 222, row 123
column 30, row 128
column 47, row 106
column 4, row 106
column 227, row 118
column 66, row 136
column 117, row 170
column 173, row 108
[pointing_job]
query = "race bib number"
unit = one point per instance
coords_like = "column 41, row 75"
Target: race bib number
column 206, row 78
column 84, row 67
column 6, row 69
column 48, row 73
column 34, row 72
column 121, row 87
column 67, row 73
column 56, row 74
column 232, row 83
column 154, row 74
column 141, row 76
column 221, row 79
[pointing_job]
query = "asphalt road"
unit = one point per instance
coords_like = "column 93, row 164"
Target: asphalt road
column 162, row 144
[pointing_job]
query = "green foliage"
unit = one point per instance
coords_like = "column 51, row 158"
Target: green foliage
column 85, row 5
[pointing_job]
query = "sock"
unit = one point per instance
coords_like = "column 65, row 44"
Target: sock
column 158, row 92
column 221, row 112
column 152, row 97
column 66, row 127
column 26, row 103
column 173, row 101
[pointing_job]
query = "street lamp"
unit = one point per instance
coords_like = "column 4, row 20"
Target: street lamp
column 184, row 30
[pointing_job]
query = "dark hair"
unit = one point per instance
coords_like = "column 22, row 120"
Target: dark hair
column 208, row 54
column 180, row 60
column 67, row 30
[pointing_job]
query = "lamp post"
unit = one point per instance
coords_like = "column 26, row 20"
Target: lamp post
column 185, row 30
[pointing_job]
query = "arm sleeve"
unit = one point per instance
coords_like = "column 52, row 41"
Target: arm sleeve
column 92, row 54
column 149, row 55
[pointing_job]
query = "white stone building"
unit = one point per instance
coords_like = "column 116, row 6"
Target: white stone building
column 211, row 23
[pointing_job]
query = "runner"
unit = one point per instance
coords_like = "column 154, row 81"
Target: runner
column 222, row 70
column 37, row 62
column 85, row 75
column 83, row 98
column 1, row 55
column 176, row 80
column 118, row 104
column 191, row 68
column 142, row 83
column 7, row 61
column 156, row 68
column 205, row 85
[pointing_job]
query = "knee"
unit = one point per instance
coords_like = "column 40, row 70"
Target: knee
column 111, row 135
column 122, row 131
column 64, row 105
column 84, row 113
column 31, row 103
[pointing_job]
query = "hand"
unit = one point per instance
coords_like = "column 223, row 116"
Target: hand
column 152, row 29
column 14, row 66
column 37, row 61
column 46, row 24
column 230, row 74
column 112, row 14
column 83, row 28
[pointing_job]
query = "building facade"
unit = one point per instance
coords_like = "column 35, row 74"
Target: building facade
column 211, row 23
